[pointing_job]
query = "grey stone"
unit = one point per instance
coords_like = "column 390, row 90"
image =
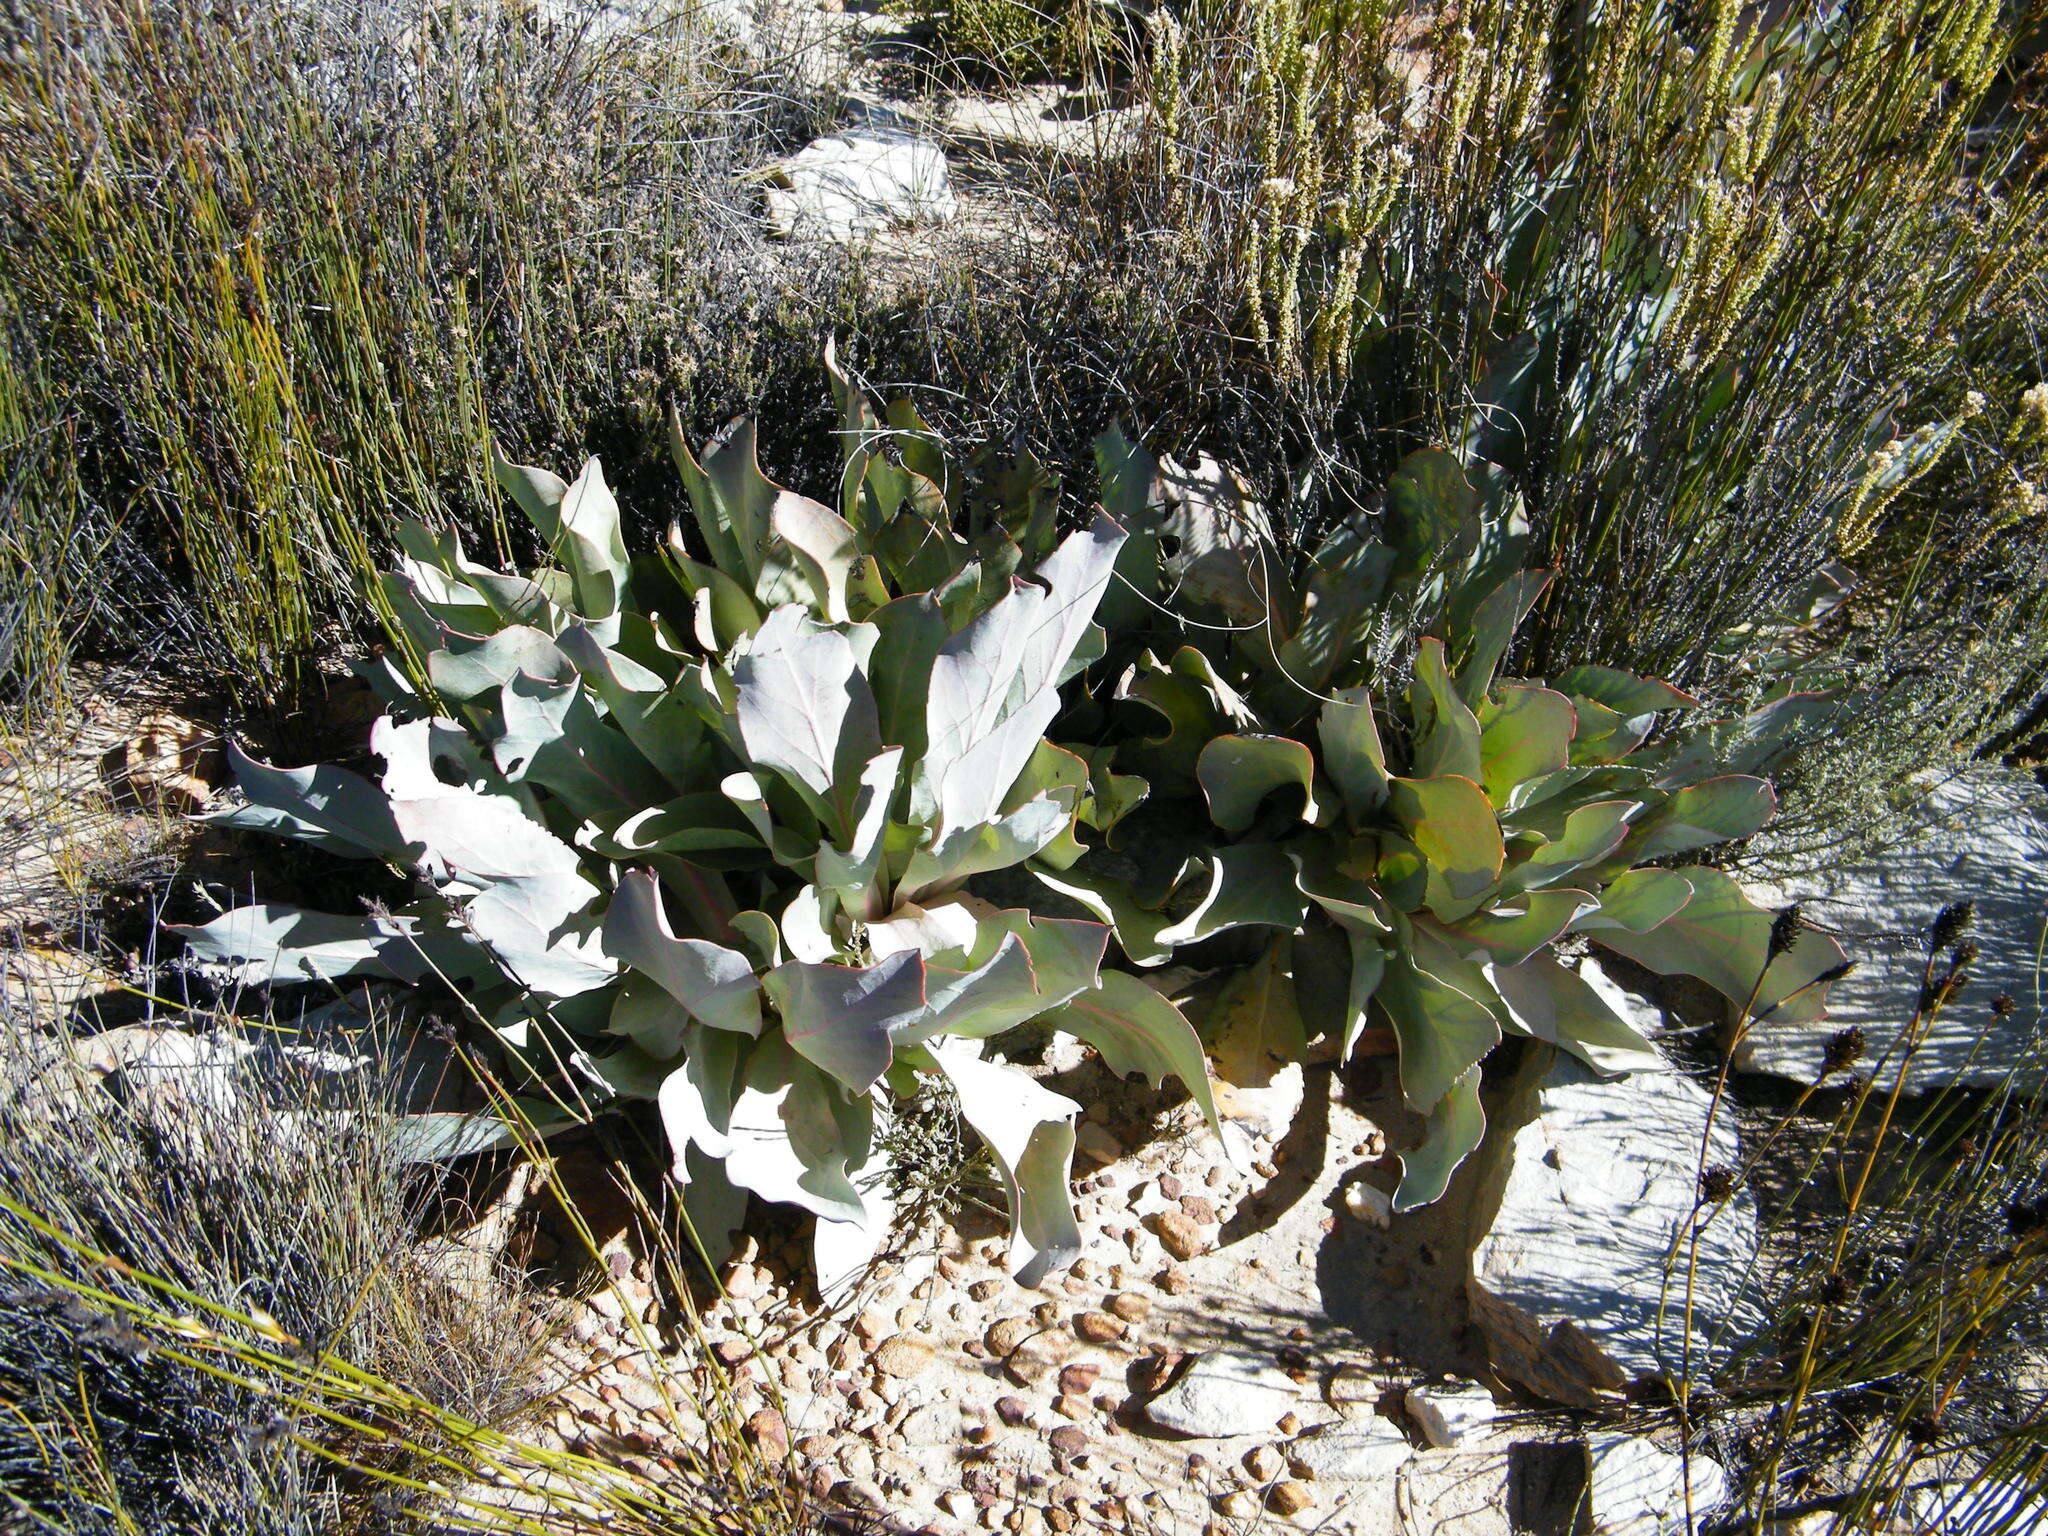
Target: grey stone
column 1636, row 1489
column 1356, row 1451
column 1982, row 835
column 1451, row 1416
column 849, row 186
column 1223, row 1394
column 1584, row 1186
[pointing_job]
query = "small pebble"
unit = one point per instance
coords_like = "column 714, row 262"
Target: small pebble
column 1098, row 1328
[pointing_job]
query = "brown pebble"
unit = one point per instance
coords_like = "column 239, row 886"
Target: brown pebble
column 1069, row 1406
column 1174, row 1282
column 1200, row 1208
column 1290, row 1424
column 1007, row 1333
column 768, row 1433
column 1079, row 1377
column 1012, row 1410
column 1060, row 1519
column 1068, row 1441
column 1098, row 1327
column 903, row 1357
column 811, row 1447
column 1170, row 1185
column 981, row 1434
column 1290, row 1499
column 985, row 1290
column 1179, row 1234
column 732, row 1352
column 1263, row 1463
column 1046, row 1314
column 1130, row 1306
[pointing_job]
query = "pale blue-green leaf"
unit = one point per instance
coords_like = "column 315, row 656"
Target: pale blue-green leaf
column 1248, row 884
column 716, row 984
column 1547, row 1001
column 1352, row 751
column 845, row 1018
column 1237, row 773
column 1443, row 1032
column 1029, row 1132
column 328, row 807
column 269, row 943
column 803, row 707
column 1136, row 1029
column 1455, row 1128
column 1446, row 736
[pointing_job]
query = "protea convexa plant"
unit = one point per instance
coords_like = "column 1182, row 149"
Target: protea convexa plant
column 698, row 826
column 1444, row 828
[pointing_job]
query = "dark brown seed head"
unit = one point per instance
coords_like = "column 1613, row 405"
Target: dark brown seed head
column 2002, row 1006
column 1952, row 923
column 1784, row 931
column 1718, row 1184
column 1845, row 1049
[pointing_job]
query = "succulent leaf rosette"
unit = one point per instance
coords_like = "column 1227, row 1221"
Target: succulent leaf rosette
column 706, row 820
column 1420, row 832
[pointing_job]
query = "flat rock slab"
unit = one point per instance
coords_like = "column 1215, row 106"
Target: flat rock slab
column 1982, row 836
column 853, row 185
column 1584, row 1184
column 1223, row 1394
column 1635, row 1488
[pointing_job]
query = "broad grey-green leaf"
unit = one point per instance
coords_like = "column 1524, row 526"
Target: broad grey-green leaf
column 826, row 550
column 555, row 738
column 466, row 668
column 1029, row 1132
column 538, row 492
column 440, row 1136
column 1623, row 692
column 1550, row 1002
column 1115, row 902
column 697, row 1097
column 1446, row 731
column 1723, row 938
column 716, row 984
column 1137, row 1030
column 1639, row 900
column 1493, row 624
column 1255, row 1025
column 803, row 707
column 1248, row 884
column 995, row 684
column 854, row 871
column 587, row 538
column 797, row 1135
column 270, row 943
column 328, row 807
column 1352, row 751
column 1589, row 834
column 1443, row 1032
column 1237, row 773
column 1452, row 823
column 1455, row 1128
column 996, row 995
column 845, row 1018
column 974, row 849
column 1509, row 934
column 1524, row 733
column 1703, row 814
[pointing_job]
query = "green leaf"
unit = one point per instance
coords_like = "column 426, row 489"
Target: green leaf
column 696, row 1099
column 1723, row 938
column 1452, row 823
column 1249, row 884
column 1547, row 1001
column 976, row 848
column 1255, row 1025
column 797, row 1135
column 1137, row 1030
column 996, row 995
column 1196, row 704
column 909, row 633
column 1639, row 900
column 1524, row 733
column 585, row 534
column 553, row 737
column 1443, row 1032
column 1431, row 509
column 1701, row 815
column 328, row 807
column 1623, row 692
column 1588, row 834
column 1029, row 1132
column 1494, row 622
column 1605, row 736
column 1115, row 902
column 855, row 872
column 845, row 1018
column 1237, row 773
column 1446, row 731
column 468, row 668
column 1352, row 751
column 1507, row 935
column 270, row 943
column 716, row 984
column 1456, row 1127
column 826, row 550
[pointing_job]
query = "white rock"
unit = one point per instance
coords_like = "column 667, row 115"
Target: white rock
column 1223, row 1394
column 1369, row 1203
column 856, row 184
column 1451, row 1416
column 1635, row 1489
column 1360, row 1450
column 1584, row 1184
column 1984, row 836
